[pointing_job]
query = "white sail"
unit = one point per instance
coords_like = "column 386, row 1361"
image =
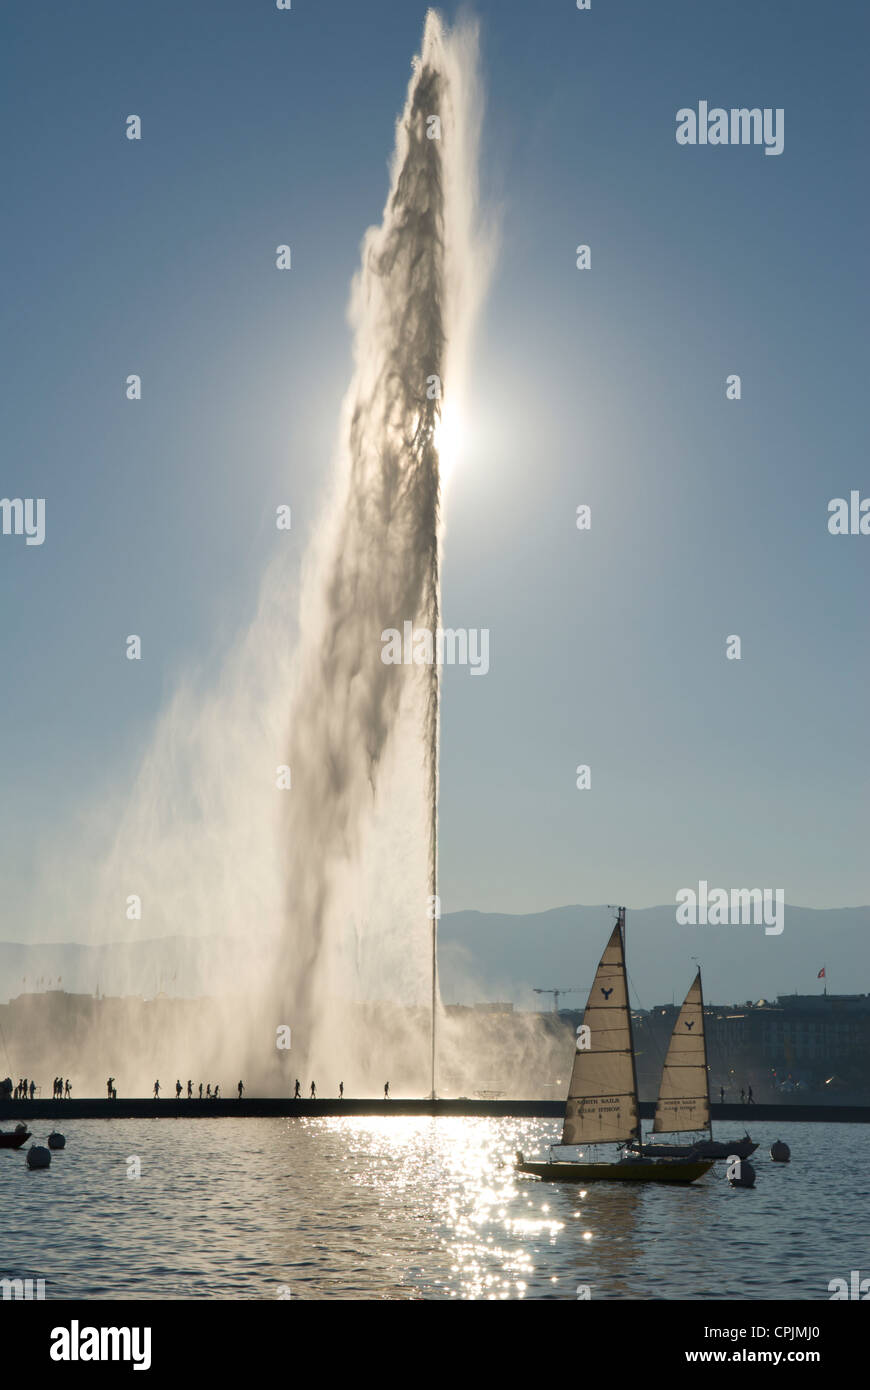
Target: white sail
column 684, row 1096
column 602, row 1098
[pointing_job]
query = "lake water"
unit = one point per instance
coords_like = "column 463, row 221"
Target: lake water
column 411, row 1208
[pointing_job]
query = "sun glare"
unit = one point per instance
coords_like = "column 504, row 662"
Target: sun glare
column 448, row 438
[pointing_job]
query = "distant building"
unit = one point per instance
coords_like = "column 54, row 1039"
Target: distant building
column 814, row 1043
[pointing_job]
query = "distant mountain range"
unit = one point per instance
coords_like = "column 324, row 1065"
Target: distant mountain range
column 493, row 955
column 189, row 966
column 489, row 956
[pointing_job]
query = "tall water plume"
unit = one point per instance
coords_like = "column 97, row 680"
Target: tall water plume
column 364, row 743
column 328, row 883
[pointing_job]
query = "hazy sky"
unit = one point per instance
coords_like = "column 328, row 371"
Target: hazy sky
column 604, row 387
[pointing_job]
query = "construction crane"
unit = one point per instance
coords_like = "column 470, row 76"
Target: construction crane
column 573, row 989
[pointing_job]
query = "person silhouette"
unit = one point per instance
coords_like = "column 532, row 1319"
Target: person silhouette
column 32, row 1089
column 208, row 1090
column 189, row 1089
column 156, row 1090
column 749, row 1097
column 200, row 1090
column 721, row 1095
column 341, row 1090
column 313, row 1091
column 241, row 1088
column 68, row 1089
column 297, row 1094
column 216, row 1091
column 386, row 1090
column 742, row 1097
column 109, row 1085
column 24, row 1088
column 177, row 1089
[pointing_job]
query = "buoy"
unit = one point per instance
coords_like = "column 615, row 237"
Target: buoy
column 780, row 1152
column 56, row 1141
column 38, row 1157
column 741, row 1173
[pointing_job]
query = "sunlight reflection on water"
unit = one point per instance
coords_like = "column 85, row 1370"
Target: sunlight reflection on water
column 414, row 1208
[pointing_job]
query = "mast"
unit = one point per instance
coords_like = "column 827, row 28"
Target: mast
column 434, row 998
column 435, row 914
column 621, row 923
column 706, row 1067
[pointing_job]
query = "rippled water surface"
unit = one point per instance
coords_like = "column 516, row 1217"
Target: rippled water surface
column 417, row 1208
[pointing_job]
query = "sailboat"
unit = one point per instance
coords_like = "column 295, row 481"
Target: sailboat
column 683, row 1106
column 602, row 1105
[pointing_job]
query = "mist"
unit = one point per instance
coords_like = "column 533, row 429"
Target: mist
column 293, row 800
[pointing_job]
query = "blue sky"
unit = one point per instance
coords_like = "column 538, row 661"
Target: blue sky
column 605, row 387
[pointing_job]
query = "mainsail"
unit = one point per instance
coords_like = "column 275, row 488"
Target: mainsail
column 602, row 1098
column 684, row 1097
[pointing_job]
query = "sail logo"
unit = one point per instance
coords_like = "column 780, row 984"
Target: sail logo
column 838, row 1288
column 720, row 907
column 451, row 646
column 740, row 126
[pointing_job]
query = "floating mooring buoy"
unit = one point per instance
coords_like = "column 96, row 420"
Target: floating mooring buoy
column 741, row 1173
column 38, row 1157
column 56, row 1141
column 780, row 1152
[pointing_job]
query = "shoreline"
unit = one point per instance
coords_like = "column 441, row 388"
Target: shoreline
column 279, row 1108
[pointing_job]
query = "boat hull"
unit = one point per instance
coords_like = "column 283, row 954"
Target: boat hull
column 705, row 1148
column 13, row 1140
column 649, row 1170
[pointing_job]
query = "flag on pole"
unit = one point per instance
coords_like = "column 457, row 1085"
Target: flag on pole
column 821, row 974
